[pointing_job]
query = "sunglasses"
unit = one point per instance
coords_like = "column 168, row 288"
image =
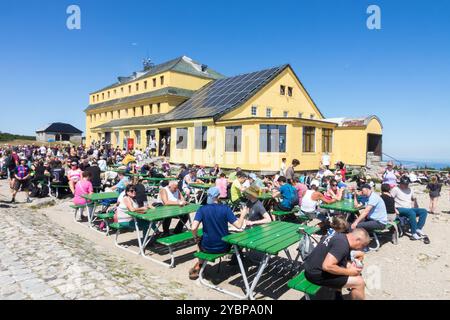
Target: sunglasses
column 132, row 191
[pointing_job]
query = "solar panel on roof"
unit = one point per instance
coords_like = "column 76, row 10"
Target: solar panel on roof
column 222, row 95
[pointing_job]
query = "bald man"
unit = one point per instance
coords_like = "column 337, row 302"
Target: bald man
column 171, row 196
column 332, row 263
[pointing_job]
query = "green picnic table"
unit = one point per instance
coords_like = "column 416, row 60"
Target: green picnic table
column 265, row 196
column 266, row 199
column 201, row 185
column 157, row 215
column 202, row 191
column 136, row 175
column 342, row 206
column 207, row 178
column 95, row 198
column 345, row 206
column 268, row 239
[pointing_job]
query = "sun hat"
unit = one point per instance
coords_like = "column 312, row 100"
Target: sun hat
column 252, row 191
column 213, row 194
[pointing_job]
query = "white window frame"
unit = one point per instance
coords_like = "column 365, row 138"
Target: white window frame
column 268, row 112
column 254, row 111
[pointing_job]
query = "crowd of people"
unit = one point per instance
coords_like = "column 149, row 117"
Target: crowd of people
column 86, row 170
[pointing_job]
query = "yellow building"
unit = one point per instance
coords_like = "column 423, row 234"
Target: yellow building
column 251, row 120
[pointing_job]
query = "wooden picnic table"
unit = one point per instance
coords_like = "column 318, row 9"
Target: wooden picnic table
column 96, row 198
column 202, row 190
column 157, row 215
column 342, row 206
column 265, row 196
column 136, row 174
column 207, row 178
column 269, row 239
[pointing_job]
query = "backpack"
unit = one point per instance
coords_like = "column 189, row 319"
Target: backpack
column 295, row 199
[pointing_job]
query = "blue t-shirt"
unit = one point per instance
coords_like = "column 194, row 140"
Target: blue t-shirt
column 215, row 219
column 122, row 185
column 287, row 195
column 378, row 212
column 341, row 185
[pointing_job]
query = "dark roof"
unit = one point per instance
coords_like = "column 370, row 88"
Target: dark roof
column 59, row 127
column 181, row 64
column 172, row 91
column 223, row 95
column 130, row 122
column 212, row 101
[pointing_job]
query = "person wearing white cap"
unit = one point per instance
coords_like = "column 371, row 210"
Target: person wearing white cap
column 215, row 218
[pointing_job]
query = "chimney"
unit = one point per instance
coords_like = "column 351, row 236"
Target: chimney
column 204, row 67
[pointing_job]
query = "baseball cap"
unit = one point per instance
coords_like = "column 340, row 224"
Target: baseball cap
column 252, row 176
column 213, row 193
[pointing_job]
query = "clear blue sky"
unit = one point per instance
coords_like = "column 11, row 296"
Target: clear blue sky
column 400, row 73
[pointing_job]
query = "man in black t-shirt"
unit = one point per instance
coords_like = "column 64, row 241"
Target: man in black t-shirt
column 329, row 265
column 95, row 174
column 256, row 213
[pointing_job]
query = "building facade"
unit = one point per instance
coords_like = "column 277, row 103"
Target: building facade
column 62, row 132
column 251, row 120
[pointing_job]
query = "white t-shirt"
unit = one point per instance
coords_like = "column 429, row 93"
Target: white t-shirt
column 326, row 160
column 403, row 198
column 122, row 209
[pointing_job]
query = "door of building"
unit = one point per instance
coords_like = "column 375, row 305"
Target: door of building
column 164, row 142
column 375, row 144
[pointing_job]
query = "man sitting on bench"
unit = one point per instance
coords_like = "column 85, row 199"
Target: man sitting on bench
column 215, row 218
column 329, row 265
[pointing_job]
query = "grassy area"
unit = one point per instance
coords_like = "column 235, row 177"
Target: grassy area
column 5, row 137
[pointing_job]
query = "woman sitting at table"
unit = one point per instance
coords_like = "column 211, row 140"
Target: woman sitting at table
column 165, row 167
column 334, row 192
column 74, row 175
column 215, row 171
column 127, row 203
column 311, row 200
column 82, row 188
column 132, row 168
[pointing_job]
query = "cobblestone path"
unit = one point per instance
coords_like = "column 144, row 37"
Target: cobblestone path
column 40, row 260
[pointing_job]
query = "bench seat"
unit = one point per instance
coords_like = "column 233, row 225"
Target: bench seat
column 300, row 283
column 210, row 257
column 104, row 216
column 388, row 226
column 178, row 238
column 118, row 226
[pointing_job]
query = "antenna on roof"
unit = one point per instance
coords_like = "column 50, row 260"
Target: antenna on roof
column 148, row 64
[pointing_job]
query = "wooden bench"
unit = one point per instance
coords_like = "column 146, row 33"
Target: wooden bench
column 395, row 235
column 175, row 239
column 212, row 258
column 57, row 187
column 105, row 217
column 280, row 214
column 80, row 208
column 118, row 227
column 300, row 283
